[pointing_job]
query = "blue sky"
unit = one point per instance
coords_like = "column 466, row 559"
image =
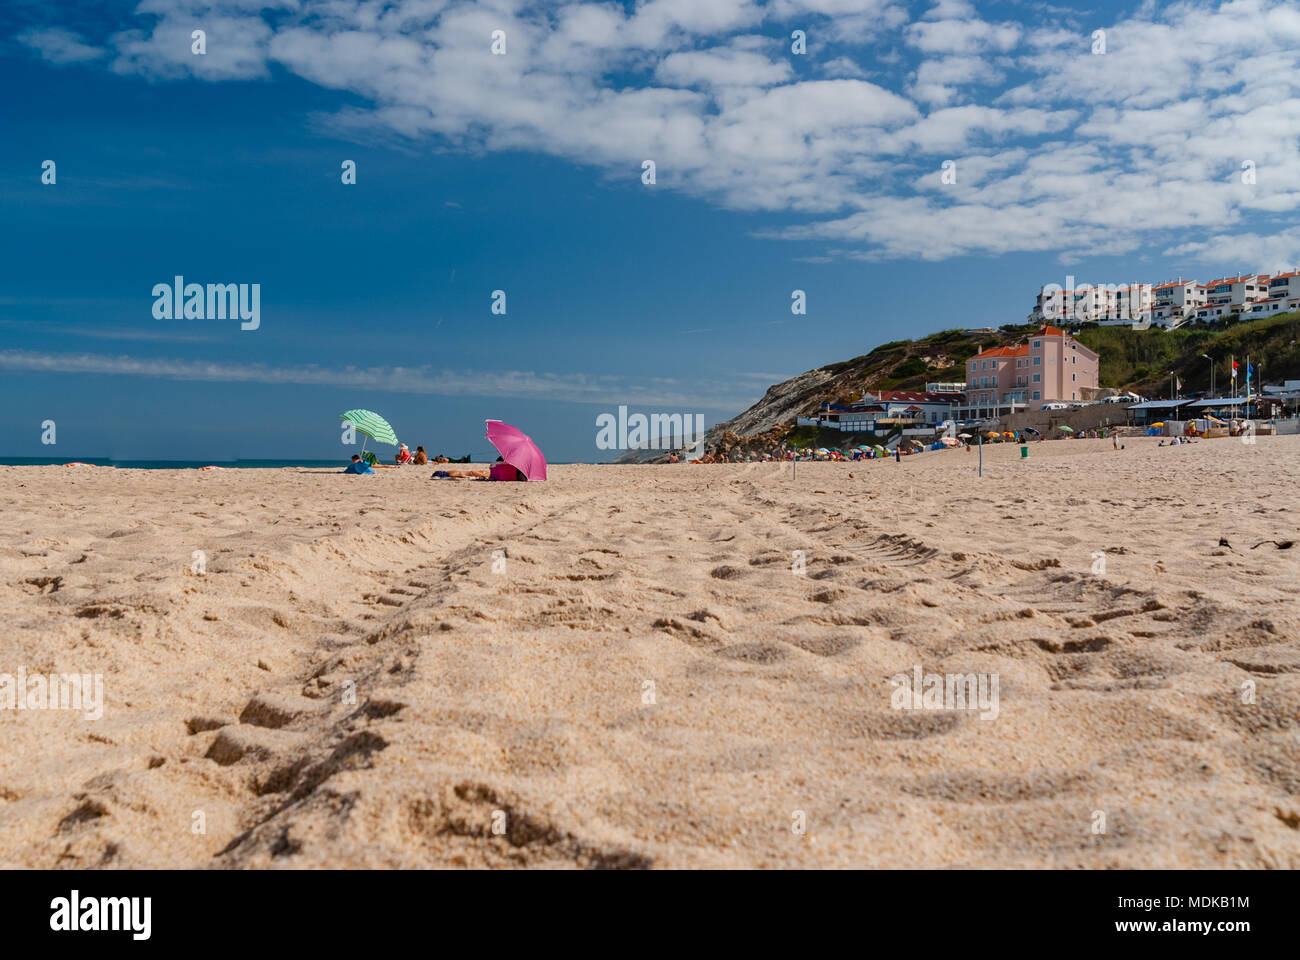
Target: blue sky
column 522, row 172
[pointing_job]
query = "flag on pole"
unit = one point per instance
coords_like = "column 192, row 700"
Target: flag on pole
column 1234, row 369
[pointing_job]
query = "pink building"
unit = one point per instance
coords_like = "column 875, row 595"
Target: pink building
column 1052, row 367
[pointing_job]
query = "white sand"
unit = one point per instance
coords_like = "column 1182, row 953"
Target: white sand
column 518, row 697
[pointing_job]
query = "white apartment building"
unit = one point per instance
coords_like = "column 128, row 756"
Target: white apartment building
column 1087, row 302
column 1178, row 300
column 1266, row 308
column 1285, row 285
column 1167, row 304
column 1237, row 291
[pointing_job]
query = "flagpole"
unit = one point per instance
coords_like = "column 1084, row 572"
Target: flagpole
column 1248, row 372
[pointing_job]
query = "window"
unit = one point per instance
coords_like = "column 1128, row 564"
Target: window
column 1038, row 395
column 1074, row 359
column 1073, row 377
column 1038, row 378
column 1037, row 344
column 1038, row 361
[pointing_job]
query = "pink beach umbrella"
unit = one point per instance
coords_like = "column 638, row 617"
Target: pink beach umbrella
column 517, row 449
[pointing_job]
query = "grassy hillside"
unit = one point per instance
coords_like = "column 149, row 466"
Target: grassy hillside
column 1142, row 359
column 1138, row 360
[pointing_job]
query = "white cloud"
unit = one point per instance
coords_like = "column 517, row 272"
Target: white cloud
column 573, row 388
column 59, row 46
column 717, row 68
column 1083, row 154
column 1274, row 253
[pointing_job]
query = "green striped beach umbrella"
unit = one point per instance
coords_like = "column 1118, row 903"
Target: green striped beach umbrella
column 372, row 425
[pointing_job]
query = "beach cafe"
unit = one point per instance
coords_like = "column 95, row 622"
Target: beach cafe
column 1208, row 417
column 1147, row 413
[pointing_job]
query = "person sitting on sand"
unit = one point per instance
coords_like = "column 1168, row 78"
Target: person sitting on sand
column 421, row 458
column 403, row 455
column 358, row 465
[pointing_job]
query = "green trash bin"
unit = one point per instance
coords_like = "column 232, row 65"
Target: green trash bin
column 1024, row 450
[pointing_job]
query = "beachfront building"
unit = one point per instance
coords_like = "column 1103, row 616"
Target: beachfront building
column 997, row 383
column 1050, row 367
column 883, row 411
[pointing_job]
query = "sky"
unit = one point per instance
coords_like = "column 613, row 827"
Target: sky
column 797, row 145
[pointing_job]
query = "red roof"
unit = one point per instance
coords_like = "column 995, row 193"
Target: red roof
column 909, row 396
column 1018, row 351
column 1050, row 331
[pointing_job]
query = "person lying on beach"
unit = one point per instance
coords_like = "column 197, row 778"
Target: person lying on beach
column 358, row 465
column 421, row 458
column 441, row 458
column 459, row 475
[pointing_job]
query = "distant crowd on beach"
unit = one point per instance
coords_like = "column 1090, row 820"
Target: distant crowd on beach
column 420, row 458
column 907, row 447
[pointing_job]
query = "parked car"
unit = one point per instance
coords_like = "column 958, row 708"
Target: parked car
column 1055, row 406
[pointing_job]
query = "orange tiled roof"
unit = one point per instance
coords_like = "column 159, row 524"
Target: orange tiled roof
column 1020, row 351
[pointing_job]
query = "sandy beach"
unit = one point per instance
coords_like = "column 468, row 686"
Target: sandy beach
column 622, row 667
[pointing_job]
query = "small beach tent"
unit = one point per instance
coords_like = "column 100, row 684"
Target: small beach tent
column 517, row 449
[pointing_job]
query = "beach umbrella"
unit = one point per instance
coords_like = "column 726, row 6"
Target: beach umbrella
column 372, row 425
column 964, row 436
column 517, row 449
column 1066, row 429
